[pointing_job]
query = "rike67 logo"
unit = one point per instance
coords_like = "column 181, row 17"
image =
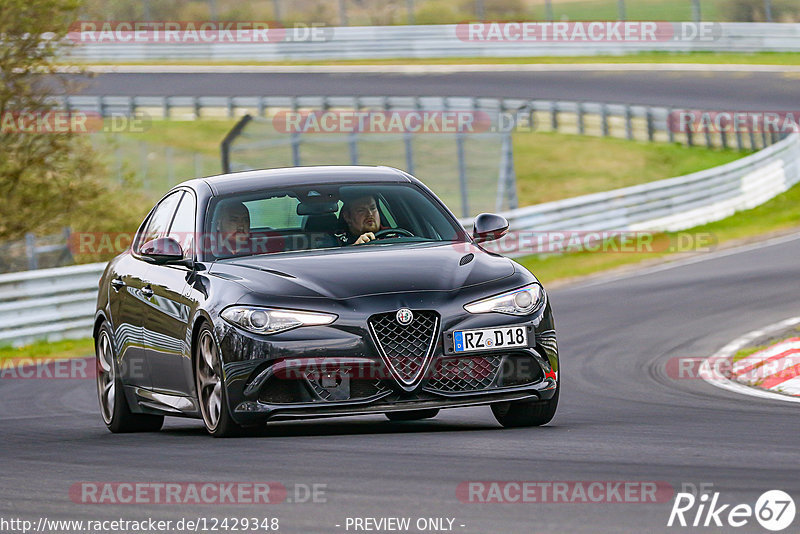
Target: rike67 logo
column 774, row 510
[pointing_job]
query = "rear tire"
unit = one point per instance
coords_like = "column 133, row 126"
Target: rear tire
column 211, row 390
column 525, row 413
column 412, row 415
column 114, row 407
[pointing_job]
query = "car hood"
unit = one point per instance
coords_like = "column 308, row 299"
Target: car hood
column 368, row 270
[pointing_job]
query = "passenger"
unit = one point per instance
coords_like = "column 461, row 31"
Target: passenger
column 233, row 230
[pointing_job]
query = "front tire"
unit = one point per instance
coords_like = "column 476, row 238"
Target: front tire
column 525, row 413
column 114, row 407
column 210, row 384
column 412, row 415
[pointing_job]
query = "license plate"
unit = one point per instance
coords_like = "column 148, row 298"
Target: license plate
column 490, row 338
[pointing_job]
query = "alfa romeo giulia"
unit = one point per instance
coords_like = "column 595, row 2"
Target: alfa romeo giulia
column 313, row 292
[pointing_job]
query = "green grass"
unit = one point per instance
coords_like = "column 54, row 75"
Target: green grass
column 549, row 166
column 779, row 214
column 552, row 166
column 711, row 58
column 67, row 348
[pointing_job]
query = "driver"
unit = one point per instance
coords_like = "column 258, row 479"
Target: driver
column 362, row 219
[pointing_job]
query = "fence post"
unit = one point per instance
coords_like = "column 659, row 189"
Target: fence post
column 628, row 122
column 768, row 10
column 229, row 106
column 621, row 9
column 604, row 119
column 353, row 137
column 581, row 125
column 166, row 107
column 276, row 10
column 480, row 14
column 343, row 12
column 410, row 12
column 554, row 116
column 752, row 136
column 101, row 107
column 462, row 175
column 548, row 10
column 30, row 251
column 131, row 106
column 651, row 133
column 196, row 105
column 670, row 128
column 169, row 153
column 697, row 15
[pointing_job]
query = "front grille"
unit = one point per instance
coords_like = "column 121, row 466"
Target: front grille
column 405, row 348
column 340, row 384
column 456, row 375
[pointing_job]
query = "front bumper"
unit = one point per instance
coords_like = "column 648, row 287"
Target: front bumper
column 337, row 370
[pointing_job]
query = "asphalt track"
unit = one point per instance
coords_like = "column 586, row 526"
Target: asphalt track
column 622, row 417
column 687, row 89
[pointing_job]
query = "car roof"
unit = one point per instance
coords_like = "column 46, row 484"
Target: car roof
column 225, row 184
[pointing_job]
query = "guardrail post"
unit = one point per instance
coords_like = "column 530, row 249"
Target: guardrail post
column 229, row 106
column 689, row 137
column 196, row 106
column 554, row 116
column 604, row 119
column 131, row 106
column 724, row 138
column 651, row 134
column 101, row 108
column 581, row 125
column 764, row 143
column 30, row 251
column 752, row 135
column 166, row 107
column 707, row 134
column 739, row 140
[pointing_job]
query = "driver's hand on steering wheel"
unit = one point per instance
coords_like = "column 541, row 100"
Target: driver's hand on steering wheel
column 365, row 238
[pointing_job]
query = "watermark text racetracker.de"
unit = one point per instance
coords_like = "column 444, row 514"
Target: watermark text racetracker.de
column 567, row 492
column 189, row 493
column 588, row 32
column 136, row 32
column 71, row 122
column 519, row 242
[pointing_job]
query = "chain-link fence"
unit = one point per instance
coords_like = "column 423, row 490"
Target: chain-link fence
column 154, row 168
column 388, row 12
column 453, row 145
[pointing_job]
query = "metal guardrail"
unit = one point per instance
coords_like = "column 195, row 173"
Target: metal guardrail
column 56, row 303
column 429, row 41
column 673, row 204
column 48, row 304
column 646, row 123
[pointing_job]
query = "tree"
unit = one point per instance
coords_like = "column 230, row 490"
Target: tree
column 46, row 179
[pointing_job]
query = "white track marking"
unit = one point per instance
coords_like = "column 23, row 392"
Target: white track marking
column 709, row 368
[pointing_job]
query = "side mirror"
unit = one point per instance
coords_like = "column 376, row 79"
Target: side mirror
column 162, row 250
column 489, row 227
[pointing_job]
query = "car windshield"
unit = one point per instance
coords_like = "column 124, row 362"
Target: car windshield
column 325, row 216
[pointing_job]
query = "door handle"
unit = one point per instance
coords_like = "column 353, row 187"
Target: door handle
column 147, row 291
column 117, row 284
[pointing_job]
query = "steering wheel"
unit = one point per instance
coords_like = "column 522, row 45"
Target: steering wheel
column 380, row 234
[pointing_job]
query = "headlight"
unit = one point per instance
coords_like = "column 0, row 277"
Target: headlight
column 273, row 320
column 521, row 301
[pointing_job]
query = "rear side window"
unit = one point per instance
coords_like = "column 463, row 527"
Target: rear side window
column 183, row 225
column 159, row 222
